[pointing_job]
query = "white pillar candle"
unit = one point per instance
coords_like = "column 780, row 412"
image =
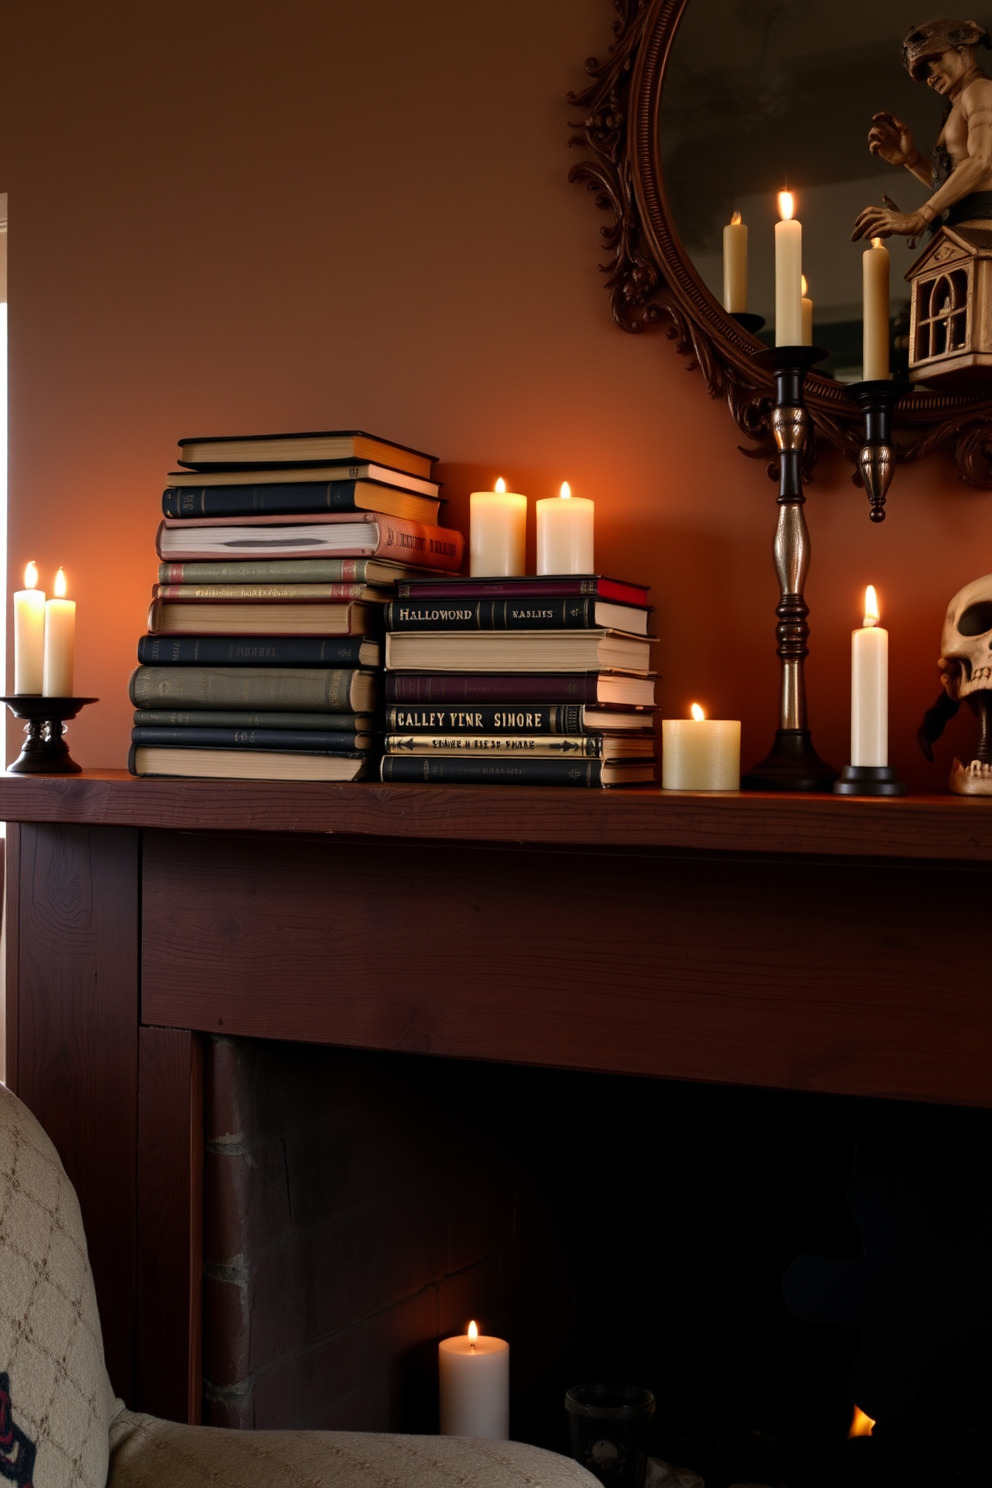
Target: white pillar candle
column 60, row 641
column 788, row 275
column 29, row 634
column 498, row 532
column 475, row 1386
column 735, row 266
column 875, row 281
column 807, row 305
column 870, row 689
column 565, row 533
column 700, row 753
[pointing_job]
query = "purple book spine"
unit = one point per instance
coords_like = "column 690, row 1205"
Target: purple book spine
column 456, row 687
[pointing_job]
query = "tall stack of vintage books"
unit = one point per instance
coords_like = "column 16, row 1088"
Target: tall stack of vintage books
column 264, row 648
column 541, row 680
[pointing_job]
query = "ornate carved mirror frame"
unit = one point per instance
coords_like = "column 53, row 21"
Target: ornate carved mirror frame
column 651, row 280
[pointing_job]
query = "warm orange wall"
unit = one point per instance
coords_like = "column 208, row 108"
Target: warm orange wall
column 240, row 215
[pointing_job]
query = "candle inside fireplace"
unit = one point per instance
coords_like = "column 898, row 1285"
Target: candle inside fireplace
column 870, row 688
column 475, row 1385
column 29, row 634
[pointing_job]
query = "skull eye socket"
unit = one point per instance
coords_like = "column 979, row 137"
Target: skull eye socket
column 976, row 619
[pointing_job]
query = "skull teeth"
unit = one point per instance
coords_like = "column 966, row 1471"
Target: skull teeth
column 980, row 771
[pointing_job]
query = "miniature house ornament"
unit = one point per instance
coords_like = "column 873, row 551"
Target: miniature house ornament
column 966, row 673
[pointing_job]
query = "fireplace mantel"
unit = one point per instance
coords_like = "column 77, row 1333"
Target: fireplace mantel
column 801, row 942
column 938, row 827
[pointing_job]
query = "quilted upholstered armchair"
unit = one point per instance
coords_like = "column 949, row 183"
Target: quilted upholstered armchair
column 60, row 1426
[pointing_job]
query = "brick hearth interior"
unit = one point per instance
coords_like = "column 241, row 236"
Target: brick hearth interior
column 360, row 1205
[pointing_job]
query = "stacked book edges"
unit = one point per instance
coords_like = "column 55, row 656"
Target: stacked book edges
column 541, row 680
column 264, row 650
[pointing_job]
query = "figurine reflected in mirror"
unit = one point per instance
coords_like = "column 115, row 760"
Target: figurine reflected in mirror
column 944, row 54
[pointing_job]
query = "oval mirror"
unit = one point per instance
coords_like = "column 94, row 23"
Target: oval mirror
column 707, row 107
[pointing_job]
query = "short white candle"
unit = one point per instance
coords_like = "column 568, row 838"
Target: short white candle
column 29, row 634
column 60, row 641
column 498, row 532
column 875, row 281
column 735, row 266
column 700, row 753
column 565, row 533
column 475, row 1386
column 870, row 688
column 807, row 315
column 788, row 274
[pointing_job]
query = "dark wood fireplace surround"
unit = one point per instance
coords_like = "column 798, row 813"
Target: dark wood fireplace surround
column 804, row 943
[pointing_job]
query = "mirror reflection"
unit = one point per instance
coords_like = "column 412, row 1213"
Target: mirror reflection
column 765, row 95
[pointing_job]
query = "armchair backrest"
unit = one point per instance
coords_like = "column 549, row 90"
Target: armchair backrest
column 56, row 1402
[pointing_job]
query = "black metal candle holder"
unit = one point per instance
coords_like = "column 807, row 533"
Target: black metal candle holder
column 877, row 456
column 869, row 780
column 792, row 764
column 45, row 751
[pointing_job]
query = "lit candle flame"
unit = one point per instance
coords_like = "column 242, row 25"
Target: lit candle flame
column 60, row 584
column 805, row 285
column 861, row 1425
column 566, row 490
column 473, row 1334
column 500, row 485
column 786, row 205
column 876, row 242
column 31, row 576
column 697, row 712
column 735, row 220
column 871, row 606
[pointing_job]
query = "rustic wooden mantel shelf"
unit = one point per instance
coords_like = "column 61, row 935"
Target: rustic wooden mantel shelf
column 803, row 942
column 921, row 827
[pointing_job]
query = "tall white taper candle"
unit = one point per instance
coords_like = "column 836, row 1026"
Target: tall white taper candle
column 870, row 688
column 29, row 634
column 875, row 280
column 788, row 274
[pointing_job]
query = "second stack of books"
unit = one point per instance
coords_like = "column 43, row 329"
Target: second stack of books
column 539, row 680
column 263, row 656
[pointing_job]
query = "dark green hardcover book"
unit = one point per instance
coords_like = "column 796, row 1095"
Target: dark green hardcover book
column 432, row 770
column 258, row 651
column 309, row 741
column 582, row 612
column 254, row 689
column 234, row 719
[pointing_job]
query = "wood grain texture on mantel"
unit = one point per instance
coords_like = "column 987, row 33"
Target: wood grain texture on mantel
column 936, row 828
column 922, row 827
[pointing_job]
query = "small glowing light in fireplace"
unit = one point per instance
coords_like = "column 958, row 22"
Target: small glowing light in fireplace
column 861, row 1425
column 473, row 1333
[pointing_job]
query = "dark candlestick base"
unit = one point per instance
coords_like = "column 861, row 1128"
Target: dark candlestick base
column 869, row 780
column 45, row 751
column 747, row 321
column 792, row 764
column 877, row 456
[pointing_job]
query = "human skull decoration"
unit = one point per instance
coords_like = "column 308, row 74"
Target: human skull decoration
column 966, row 673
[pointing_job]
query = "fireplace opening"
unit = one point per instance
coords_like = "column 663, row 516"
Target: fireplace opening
column 360, row 1206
